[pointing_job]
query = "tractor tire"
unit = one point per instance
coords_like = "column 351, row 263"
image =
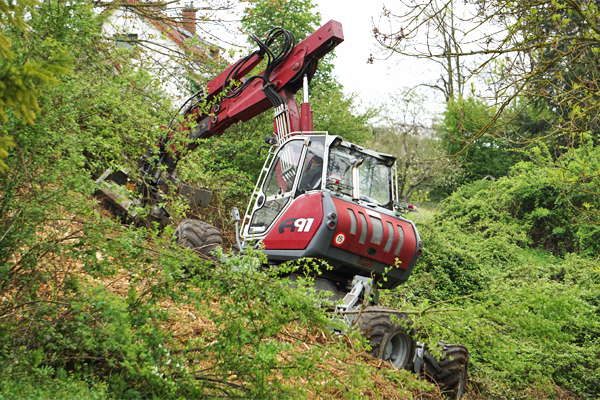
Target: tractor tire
column 390, row 334
column 449, row 373
column 198, row 236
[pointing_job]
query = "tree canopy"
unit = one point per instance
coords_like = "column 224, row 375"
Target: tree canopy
column 542, row 51
column 21, row 79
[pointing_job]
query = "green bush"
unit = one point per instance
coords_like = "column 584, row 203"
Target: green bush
column 44, row 383
column 510, row 269
column 540, row 204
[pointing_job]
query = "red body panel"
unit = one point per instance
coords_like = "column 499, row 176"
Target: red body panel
column 351, row 242
column 297, row 226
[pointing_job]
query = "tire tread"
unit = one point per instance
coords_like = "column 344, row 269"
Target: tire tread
column 449, row 371
column 198, row 236
column 376, row 321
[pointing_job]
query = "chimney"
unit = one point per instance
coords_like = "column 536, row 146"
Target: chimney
column 189, row 17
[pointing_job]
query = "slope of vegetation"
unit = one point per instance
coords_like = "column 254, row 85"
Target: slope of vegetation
column 91, row 308
column 510, row 272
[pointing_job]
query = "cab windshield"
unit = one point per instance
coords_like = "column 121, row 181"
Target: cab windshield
column 374, row 175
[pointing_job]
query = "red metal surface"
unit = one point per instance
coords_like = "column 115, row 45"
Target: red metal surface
column 306, row 120
column 351, row 242
column 286, row 234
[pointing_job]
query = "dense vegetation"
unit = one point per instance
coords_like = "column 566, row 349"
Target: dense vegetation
column 92, row 308
column 528, row 315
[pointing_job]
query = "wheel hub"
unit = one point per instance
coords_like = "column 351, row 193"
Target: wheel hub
column 397, row 350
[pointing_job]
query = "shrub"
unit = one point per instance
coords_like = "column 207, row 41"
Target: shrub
column 529, row 316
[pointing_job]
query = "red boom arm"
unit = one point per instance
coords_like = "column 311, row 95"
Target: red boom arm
column 252, row 101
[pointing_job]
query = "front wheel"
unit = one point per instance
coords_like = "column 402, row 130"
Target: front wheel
column 198, row 236
column 390, row 334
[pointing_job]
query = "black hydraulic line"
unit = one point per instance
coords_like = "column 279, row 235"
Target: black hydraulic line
column 184, row 104
column 309, row 70
column 289, row 42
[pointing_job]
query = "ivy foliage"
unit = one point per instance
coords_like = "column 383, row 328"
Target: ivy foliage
column 510, row 270
column 532, row 331
column 542, row 204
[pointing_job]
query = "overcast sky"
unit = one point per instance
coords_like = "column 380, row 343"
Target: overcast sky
column 371, row 81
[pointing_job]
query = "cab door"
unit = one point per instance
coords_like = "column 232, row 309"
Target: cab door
column 278, row 188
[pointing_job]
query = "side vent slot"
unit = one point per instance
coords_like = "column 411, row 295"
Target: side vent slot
column 363, row 228
column 400, row 241
column 388, row 244
column 377, row 236
column 352, row 222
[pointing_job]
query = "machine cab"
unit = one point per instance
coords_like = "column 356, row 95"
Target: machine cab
column 306, row 164
column 319, row 196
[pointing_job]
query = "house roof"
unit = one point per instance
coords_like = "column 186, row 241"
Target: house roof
column 176, row 31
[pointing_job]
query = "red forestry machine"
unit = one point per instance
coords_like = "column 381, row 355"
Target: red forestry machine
column 317, row 196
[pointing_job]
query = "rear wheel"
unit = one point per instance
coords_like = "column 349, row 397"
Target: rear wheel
column 450, row 372
column 199, row 236
column 390, row 335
